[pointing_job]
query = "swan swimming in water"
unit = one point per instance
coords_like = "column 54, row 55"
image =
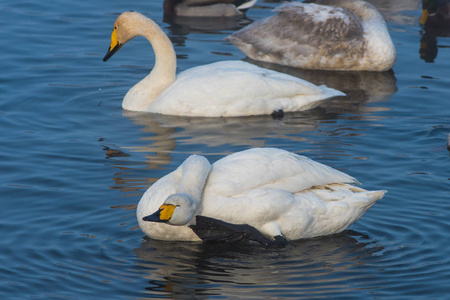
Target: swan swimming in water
column 267, row 193
column 227, row 88
column 324, row 35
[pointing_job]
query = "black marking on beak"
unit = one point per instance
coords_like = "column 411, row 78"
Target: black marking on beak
column 155, row 217
column 112, row 51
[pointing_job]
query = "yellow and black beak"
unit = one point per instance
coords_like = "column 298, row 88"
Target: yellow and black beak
column 114, row 47
column 163, row 215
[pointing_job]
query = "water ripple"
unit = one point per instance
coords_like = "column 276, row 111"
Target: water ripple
column 74, row 165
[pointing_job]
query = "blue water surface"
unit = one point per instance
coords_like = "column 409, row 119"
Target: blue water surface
column 74, row 164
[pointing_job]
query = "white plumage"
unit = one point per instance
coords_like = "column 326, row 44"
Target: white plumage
column 277, row 192
column 227, row 88
column 237, row 88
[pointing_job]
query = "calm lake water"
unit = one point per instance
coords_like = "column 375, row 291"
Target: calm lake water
column 74, row 164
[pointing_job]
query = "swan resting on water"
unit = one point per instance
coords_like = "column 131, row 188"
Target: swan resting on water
column 226, row 88
column 267, row 195
column 325, row 35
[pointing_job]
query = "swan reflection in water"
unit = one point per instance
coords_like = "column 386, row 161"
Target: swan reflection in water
column 360, row 87
column 303, row 267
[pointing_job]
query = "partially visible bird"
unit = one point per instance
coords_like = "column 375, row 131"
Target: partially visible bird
column 435, row 22
column 435, row 13
column 206, row 8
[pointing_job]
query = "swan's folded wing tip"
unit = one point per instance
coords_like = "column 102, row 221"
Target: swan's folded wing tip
column 216, row 231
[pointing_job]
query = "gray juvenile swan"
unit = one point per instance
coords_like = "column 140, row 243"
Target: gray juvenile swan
column 324, row 35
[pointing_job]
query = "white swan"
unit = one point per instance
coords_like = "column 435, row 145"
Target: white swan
column 279, row 193
column 324, row 35
column 206, row 8
column 228, row 88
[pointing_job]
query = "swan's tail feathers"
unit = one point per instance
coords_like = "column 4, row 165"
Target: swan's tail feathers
column 216, row 231
column 331, row 92
column 376, row 195
column 244, row 5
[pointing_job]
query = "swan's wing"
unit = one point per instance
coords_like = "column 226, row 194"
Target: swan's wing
column 269, row 168
column 301, row 29
column 234, row 88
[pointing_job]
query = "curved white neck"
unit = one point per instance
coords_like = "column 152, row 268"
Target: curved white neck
column 194, row 172
column 163, row 74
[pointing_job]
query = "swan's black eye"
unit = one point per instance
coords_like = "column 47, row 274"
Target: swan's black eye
column 115, row 27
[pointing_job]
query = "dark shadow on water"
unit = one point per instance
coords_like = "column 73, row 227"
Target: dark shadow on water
column 187, row 269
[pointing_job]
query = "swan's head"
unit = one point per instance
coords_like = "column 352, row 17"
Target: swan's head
column 125, row 28
column 178, row 209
